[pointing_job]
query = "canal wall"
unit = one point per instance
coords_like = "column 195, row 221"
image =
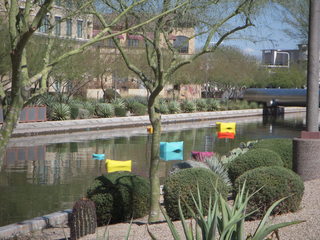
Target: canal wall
column 86, row 125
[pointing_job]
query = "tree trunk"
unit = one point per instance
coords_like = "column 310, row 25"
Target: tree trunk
column 155, row 119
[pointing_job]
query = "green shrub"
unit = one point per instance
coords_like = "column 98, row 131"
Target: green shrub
column 105, row 110
column 252, row 159
column 188, row 106
column 181, row 184
column 120, row 111
column 274, row 183
column 119, row 197
column 174, row 107
column 139, row 109
column 60, row 111
column 201, row 105
column 253, row 105
column 212, row 104
column 282, row 146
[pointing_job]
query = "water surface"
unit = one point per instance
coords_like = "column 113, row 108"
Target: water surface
column 41, row 175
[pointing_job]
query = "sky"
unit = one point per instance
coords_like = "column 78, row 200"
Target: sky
column 268, row 33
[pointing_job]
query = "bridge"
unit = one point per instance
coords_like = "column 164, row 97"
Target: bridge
column 274, row 98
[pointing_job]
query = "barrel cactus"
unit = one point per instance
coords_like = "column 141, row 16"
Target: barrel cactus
column 83, row 219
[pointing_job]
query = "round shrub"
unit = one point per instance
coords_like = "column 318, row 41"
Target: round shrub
column 120, row 111
column 252, row 159
column 282, row 146
column 139, row 109
column 119, row 196
column 183, row 183
column 274, row 183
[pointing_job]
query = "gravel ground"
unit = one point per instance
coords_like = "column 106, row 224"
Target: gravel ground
column 309, row 230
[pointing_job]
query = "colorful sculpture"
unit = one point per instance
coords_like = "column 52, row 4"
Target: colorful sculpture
column 229, row 127
column 171, row 151
column 201, row 156
column 118, row 166
column 98, row 156
column 223, row 135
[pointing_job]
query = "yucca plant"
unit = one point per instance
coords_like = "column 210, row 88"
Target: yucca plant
column 217, row 167
column 223, row 222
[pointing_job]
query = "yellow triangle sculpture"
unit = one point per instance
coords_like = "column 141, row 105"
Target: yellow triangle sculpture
column 118, row 166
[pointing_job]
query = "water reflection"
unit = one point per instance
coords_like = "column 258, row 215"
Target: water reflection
column 38, row 180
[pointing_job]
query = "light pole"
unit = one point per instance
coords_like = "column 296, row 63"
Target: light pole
column 306, row 150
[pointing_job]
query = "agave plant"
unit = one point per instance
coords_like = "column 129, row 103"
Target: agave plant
column 104, row 110
column 213, row 104
column 163, row 108
column 217, row 167
column 201, row 104
column 118, row 102
column 189, row 106
column 174, row 107
column 223, row 222
column 60, row 111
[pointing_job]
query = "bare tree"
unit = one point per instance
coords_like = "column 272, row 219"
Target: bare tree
column 23, row 18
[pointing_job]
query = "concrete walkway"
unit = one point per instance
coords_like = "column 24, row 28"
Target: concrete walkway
column 96, row 124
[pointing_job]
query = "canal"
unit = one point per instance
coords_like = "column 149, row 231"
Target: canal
column 41, row 175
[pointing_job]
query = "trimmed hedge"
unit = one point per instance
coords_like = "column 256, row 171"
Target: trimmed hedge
column 282, row 146
column 252, row 159
column 274, row 183
column 183, row 183
column 119, row 196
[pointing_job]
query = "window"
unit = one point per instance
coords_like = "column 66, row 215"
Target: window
column 69, row 27
column 79, row 28
column 133, row 42
column 57, row 28
column 181, row 44
column 44, row 28
column 57, row 2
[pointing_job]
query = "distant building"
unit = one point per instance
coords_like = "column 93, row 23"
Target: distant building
column 276, row 58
